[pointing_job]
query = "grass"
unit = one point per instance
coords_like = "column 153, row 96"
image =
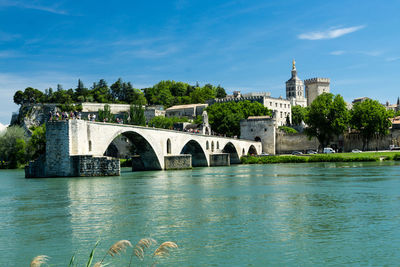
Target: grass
column 339, row 157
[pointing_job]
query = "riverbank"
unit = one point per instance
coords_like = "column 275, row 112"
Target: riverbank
column 340, row 157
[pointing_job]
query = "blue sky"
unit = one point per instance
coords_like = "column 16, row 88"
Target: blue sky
column 245, row 45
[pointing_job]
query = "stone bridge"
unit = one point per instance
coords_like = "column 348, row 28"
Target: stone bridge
column 77, row 148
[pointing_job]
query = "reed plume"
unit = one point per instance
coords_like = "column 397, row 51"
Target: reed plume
column 140, row 247
column 163, row 249
column 39, row 260
column 116, row 249
column 119, row 247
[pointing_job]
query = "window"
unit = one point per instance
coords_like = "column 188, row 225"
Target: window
column 168, row 146
column 207, row 145
column 276, row 105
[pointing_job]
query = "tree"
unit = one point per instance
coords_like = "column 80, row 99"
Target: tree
column 100, row 92
column 326, row 117
column 224, row 118
column 81, row 92
column 105, row 114
column 165, row 122
column 37, row 142
column 13, row 146
column 298, row 113
column 220, row 92
column 369, row 118
column 136, row 115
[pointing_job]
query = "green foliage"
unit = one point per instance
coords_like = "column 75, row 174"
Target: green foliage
column 224, row 118
column 326, row 117
column 288, row 130
column 198, row 119
column 166, row 93
column 369, row 118
column 304, row 159
column 37, row 142
column 13, row 147
column 298, row 114
column 29, row 96
column 136, row 115
column 165, row 122
column 105, row 114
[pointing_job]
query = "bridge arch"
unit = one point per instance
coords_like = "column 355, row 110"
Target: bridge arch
column 143, row 153
column 233, row 154
column 199, row 158
column 252, row 150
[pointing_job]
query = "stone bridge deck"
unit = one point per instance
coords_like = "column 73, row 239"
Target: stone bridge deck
column 156, row 148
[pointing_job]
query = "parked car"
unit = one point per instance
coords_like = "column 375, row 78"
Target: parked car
column 297, row 153
column 356, row 151
column 328, row 150
column 310, row 151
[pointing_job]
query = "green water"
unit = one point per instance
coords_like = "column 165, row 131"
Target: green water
column 321, row 214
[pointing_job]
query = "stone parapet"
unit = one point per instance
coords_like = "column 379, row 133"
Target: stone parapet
column 317, row 80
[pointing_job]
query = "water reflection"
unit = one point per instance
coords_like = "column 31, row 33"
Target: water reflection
column 288, row 214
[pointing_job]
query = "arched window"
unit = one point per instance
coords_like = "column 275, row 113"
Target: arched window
column 207, row 145
column 212, row 146
column 217, row 144
column 90, row 145
column 243, row 152
column 168, row 146
column 257, row 139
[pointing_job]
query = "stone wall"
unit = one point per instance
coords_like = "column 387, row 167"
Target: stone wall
column 354, row 141
column 95, row 166
column 221, row 159
column 58, row 149
column 287, row 143
column 178, row 162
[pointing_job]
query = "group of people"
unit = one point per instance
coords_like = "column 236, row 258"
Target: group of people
column 56, row 116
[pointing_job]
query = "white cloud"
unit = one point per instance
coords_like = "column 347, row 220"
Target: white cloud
column 337, row 52
column 390, row 59
column 329, row 34
column 50, row 9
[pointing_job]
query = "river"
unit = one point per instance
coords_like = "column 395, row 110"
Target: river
column 320, row 214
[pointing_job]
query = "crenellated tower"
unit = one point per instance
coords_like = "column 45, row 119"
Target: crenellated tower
column 315, row 87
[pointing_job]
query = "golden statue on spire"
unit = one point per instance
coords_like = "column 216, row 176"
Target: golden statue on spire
column 294, row 64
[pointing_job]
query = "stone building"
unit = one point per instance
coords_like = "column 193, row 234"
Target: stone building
column 295, row 89
column 316, row 87
column 191, row 110
column 280, row 107
column 260, row 128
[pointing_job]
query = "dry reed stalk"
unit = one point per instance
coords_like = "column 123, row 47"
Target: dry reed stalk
column 39, row 260
column 140, row 247
column 163, row 249
column 117, row 248
column 100, row 264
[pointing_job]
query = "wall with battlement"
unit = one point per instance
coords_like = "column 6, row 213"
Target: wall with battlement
column 317, row 80
column 316, row 87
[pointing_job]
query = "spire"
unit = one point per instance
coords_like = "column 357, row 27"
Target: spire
column 294, row 71
column 398, row 101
